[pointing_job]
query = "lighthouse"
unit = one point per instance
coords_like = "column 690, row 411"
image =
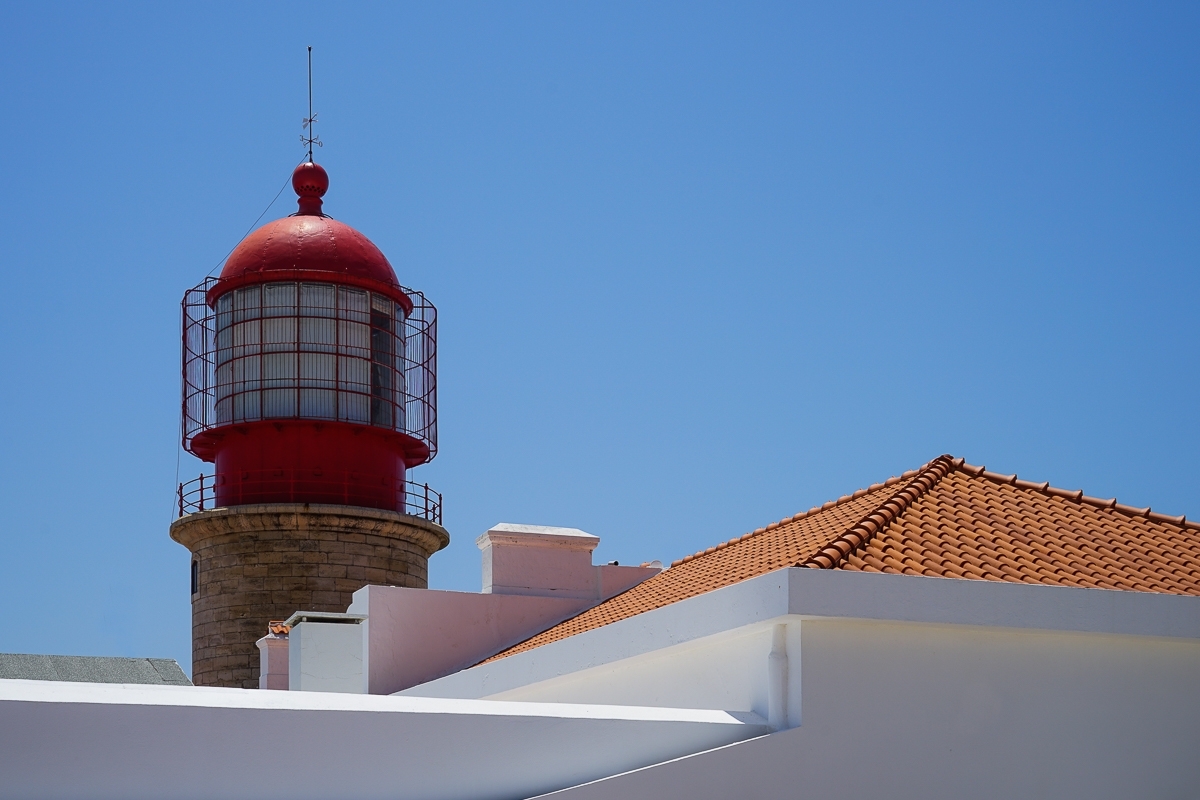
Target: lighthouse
column 310, row 384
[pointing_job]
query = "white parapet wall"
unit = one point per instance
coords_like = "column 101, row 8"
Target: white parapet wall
column 727, row 648
column 325, row 652
column 139, row 742
column 714, row 648
column 413, row 636
column 533, row 577
column 906, row 709
column 926, row 687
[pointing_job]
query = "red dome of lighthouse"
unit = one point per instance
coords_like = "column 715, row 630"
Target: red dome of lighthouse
column 309, row 246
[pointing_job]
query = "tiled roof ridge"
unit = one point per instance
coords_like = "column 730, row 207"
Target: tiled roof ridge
column 958, row 464
column 1078, row 496
column 797, row 517
column 947, row 519
column 927, row 477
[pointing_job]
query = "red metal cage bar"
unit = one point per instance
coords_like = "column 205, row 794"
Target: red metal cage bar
column 312, row 351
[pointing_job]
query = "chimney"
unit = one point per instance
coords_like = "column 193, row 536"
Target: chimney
column 273, row 656
column 542, row 561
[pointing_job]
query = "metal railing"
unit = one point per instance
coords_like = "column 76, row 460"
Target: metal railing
column 211, row 491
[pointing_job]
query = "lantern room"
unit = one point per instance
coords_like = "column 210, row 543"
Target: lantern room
column 309, row 372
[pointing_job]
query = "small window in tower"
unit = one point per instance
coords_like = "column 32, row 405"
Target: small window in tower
column 195, row 577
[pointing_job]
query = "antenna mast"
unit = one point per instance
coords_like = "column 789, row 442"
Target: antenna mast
column 310, row 122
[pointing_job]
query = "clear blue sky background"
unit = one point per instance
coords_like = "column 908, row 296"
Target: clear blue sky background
column 698, row 267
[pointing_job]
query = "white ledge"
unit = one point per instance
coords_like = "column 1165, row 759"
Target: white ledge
column 811, row 593
column 117, row 740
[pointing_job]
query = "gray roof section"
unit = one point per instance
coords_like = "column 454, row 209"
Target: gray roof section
column 92, row 669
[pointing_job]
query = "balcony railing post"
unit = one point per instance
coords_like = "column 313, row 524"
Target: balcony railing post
column 181, row 499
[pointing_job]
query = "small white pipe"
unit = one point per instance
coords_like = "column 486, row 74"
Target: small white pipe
column 777, row 679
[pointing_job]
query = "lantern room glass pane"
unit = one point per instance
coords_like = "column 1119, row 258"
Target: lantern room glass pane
column 224, row 321
column 247, row 303
column 246, row 338
column 279, row 300
column 318, row 369
column 278, row 403
column 354, row 381
column 244, row 389
column 279, row 335
column 318, row 334
column 353, row 304
column 279, row 369
column 354, row 374
column 353, row 407
column 318, row 404
column 318, row 300
column 312, row 350
column 224, row 387
column 354, row 338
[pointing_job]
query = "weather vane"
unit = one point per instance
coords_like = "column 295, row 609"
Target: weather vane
column 310, row 122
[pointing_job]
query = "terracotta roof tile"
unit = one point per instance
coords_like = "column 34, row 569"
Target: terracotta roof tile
column 947, row 519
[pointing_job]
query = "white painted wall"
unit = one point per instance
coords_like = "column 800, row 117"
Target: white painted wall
column 652, row 649
column 326, row 656
column 81, row 740
column 729, row 670
column 416, row 635
column 541, row 561
column 895, row 709
column 538, row 560
column 901, row 686
column 534, row 577
column 804, row 594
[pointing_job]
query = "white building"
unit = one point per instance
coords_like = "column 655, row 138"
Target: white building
column 947, row 633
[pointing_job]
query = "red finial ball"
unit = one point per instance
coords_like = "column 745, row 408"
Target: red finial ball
column 310, row 182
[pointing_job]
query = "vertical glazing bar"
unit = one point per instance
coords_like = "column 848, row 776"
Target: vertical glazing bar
column 262, row 354
column 337, row 357
column 296, row 354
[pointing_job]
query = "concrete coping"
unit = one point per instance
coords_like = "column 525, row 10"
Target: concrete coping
column 538, row 536
column 324, row 616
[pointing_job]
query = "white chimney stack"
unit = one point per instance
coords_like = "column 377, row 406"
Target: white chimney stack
column 541, row 561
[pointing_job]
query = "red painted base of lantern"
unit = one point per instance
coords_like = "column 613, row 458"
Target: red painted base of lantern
column 300, row 461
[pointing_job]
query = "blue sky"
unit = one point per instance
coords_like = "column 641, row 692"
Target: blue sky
column 698, row 267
